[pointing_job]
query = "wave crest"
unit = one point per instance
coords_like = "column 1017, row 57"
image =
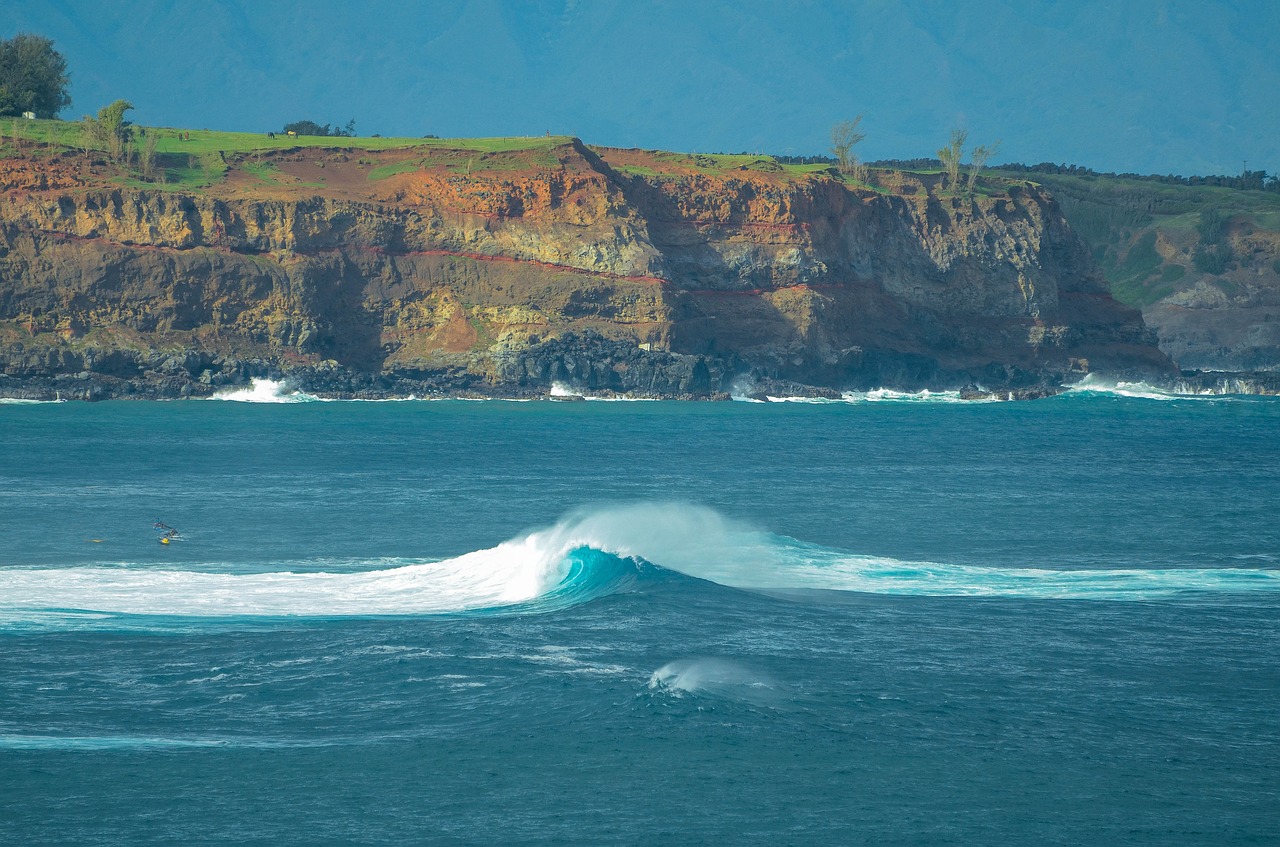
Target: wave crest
column 588, row 555
column 264, row 391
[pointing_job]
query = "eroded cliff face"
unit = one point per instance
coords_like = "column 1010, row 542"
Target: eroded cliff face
column 615, row 270
column 1201, row 261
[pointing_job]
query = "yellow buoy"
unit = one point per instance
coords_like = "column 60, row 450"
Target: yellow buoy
column 164, row 541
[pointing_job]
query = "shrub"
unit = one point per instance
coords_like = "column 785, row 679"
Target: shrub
column 1212, row 226
column 1212, row 259
column 313, row 128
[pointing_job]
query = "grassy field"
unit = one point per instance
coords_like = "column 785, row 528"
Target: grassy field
column 197, row 158
column 198, row 142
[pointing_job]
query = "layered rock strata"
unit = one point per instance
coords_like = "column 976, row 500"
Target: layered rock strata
column 368, row 274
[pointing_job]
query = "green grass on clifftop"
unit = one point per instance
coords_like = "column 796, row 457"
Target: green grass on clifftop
column 202, row 141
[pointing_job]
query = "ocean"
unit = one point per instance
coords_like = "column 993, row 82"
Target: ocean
column 890, row 620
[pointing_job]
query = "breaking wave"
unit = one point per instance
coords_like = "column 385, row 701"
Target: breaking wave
column 586, row 556
column 264, row 391
column 886, row 395
column 564, row 391
column 1224, row 388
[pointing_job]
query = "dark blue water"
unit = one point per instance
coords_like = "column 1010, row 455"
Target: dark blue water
column 1053, row 622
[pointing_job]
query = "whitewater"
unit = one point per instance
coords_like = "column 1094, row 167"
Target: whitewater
column 579, row 559
column 891, row 619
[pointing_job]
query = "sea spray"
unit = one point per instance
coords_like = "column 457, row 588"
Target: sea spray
column 1225, row 387
column 589, row 554
column 264, row 391
column 715, row 677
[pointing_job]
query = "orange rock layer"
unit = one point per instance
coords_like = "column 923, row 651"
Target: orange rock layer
column 428, row 259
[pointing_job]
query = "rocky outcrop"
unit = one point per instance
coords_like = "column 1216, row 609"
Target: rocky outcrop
column 402, row 272
column 1201, row 261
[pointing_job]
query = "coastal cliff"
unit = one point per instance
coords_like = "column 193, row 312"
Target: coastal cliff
column 1200, row 258
column 439, row 269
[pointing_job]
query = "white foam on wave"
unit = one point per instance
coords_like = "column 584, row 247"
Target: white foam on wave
column 699, row 542
column 874, row 575
column 561, row 390
column 691, row 540
column 886, row 395
column 719, row 677
column 1095, row 384
column 1226, row 388
column 875, row 395
column 514, row 572
column 812, row 401
column 264, row 391
column 619, row 398
column 14, row 741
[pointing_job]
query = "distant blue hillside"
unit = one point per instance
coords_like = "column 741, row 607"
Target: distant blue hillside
column 1147, row 86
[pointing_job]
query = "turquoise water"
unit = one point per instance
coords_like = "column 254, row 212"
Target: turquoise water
column 1050, row 622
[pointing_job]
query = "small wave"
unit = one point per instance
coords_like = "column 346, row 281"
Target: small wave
column 833, row 571
column 1094, row 384
column 1224, row 389
column 561, row 391
column 717, row 677
column 886, row 395
column 875, row 395
column 134, row 742
column 813, row 401
column 264, row 391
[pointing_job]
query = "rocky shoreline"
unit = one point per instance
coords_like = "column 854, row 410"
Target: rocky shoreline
column 566, row 367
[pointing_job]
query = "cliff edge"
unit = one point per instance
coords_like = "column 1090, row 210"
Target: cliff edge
column 441, row 268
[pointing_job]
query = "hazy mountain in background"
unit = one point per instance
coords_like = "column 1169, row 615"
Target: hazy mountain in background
column 1159, row 86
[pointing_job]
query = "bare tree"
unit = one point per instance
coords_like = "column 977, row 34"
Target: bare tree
column 844, row 137
column 87, row 136
column 950, row 157
column 978, row 160
column 147, row 158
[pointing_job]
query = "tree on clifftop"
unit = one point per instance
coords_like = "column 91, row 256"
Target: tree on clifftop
column 109, row 131
column 950, row 157
column 978, row 160
column 33, row 77
column 313, row 128
column 844, row 136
